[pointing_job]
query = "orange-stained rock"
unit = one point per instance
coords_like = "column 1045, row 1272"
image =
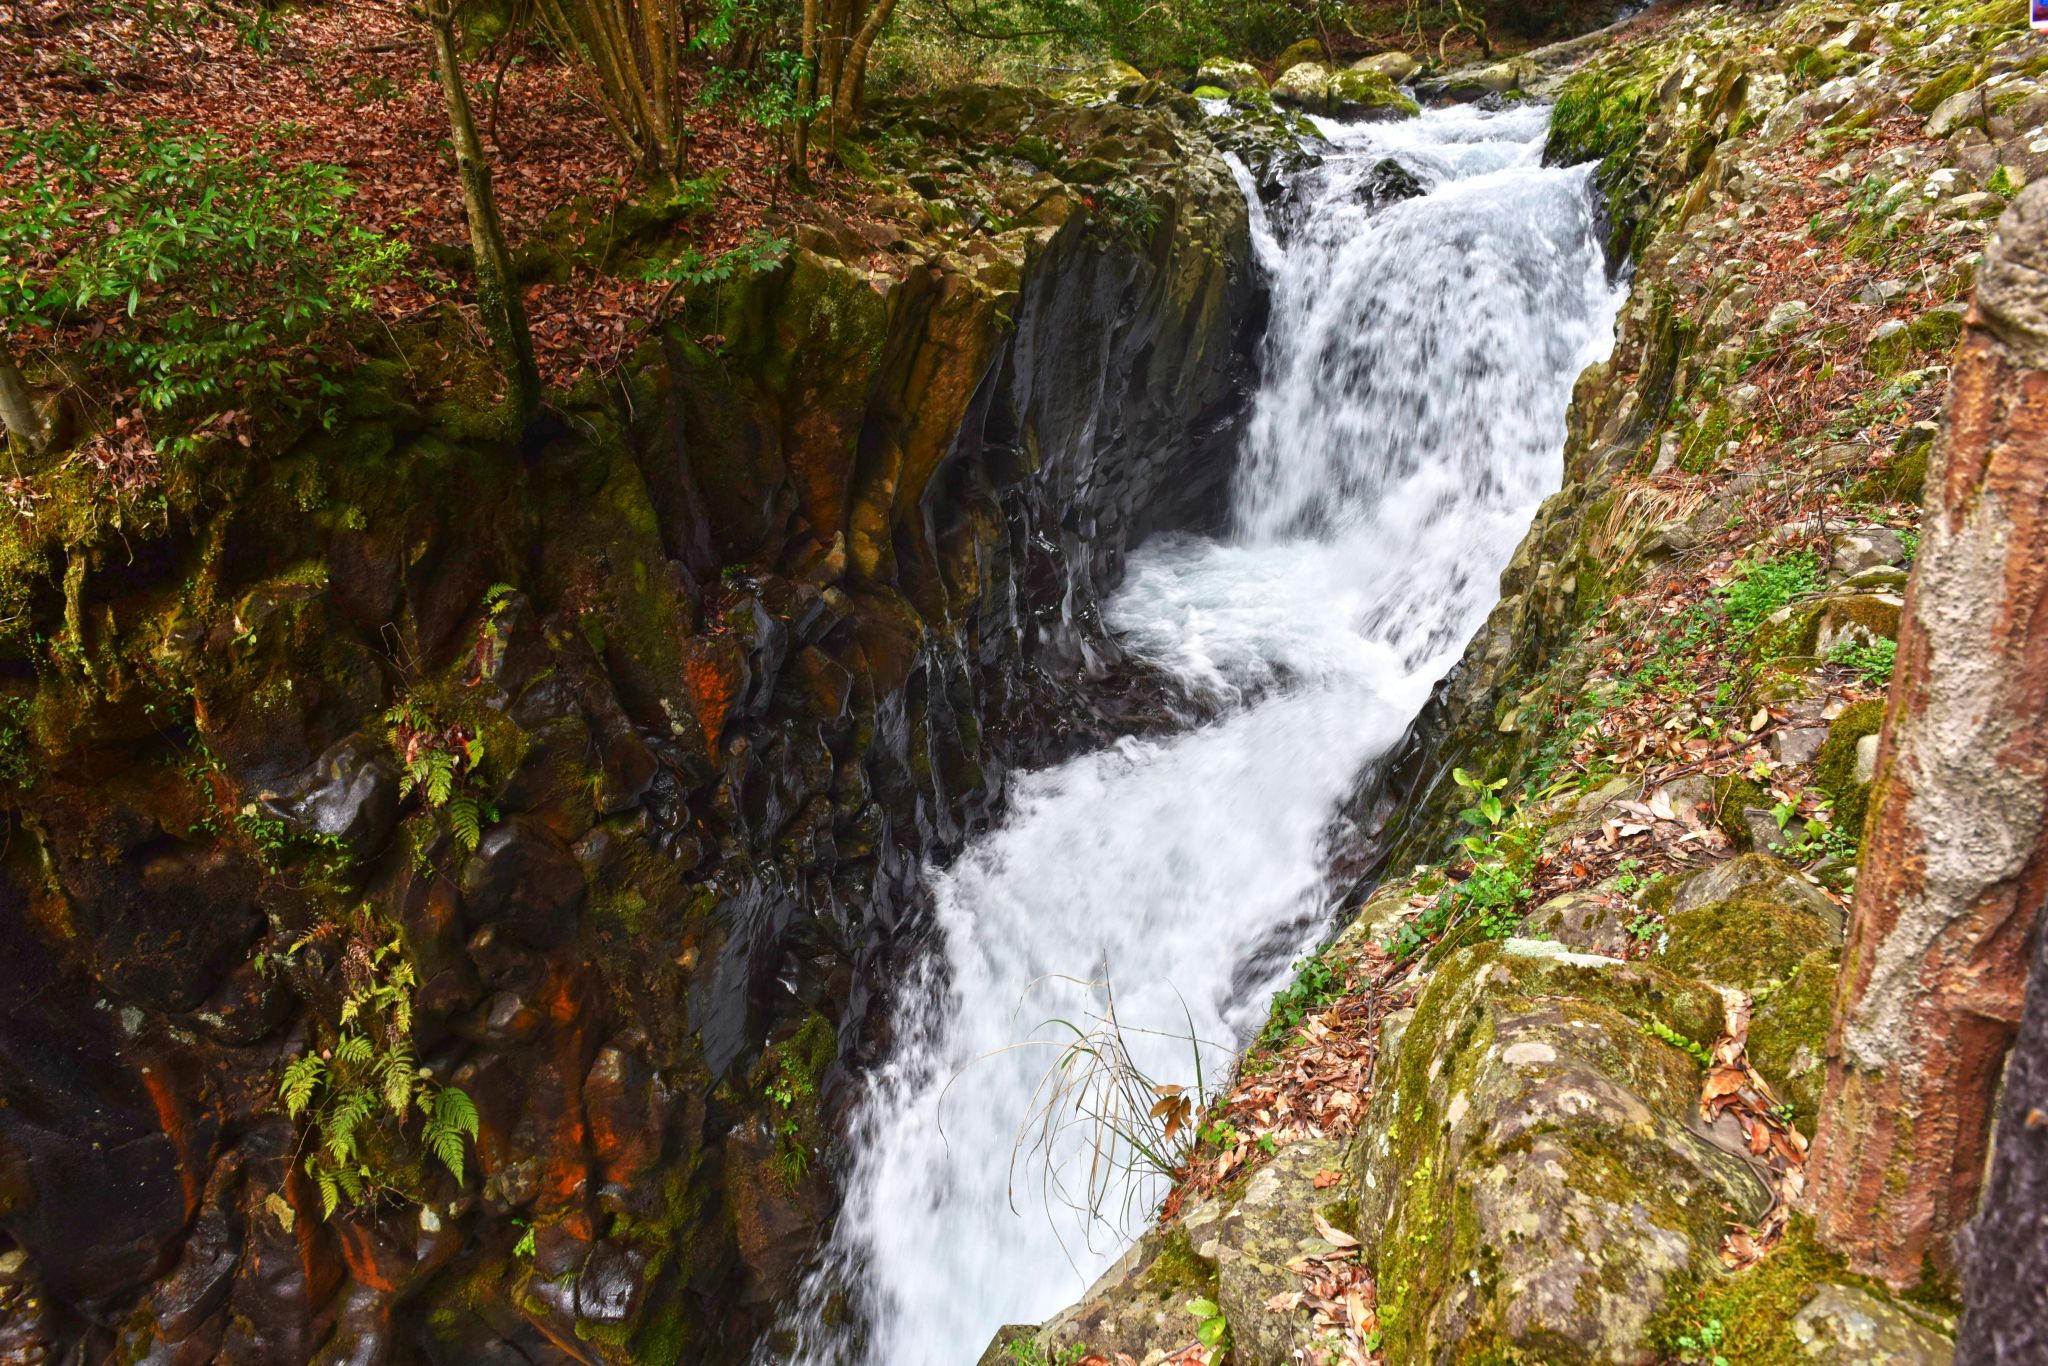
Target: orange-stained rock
column 628, row 1110
column 777, row 1220
column 715, row 675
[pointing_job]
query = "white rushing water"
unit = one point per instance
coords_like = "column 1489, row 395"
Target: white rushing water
column 1419, row 363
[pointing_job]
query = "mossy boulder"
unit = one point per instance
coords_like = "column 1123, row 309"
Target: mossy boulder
column 1835, row 767
column 1135, row 1307
column 1747, row 872
column 1272, row 1223
column 1233, row 77
column 1899, row 479
column 1733, row 795
column 1536, row 1187
column 1811, row 629
column 1307, row 50
column 1368, row 95
column 1304, row 86
column 1394, row 65
column 1754, row 938
column 1788, row 1033
column 1103, row 81
column 1584, row 921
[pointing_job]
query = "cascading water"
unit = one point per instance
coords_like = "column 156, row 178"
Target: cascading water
column 1419, row 362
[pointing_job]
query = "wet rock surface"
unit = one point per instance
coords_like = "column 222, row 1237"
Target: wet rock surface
column 711, row 658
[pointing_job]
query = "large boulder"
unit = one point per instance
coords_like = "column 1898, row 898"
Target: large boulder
column 1539, row 1183
column 1395, row 66
column 1230, row 76
column 349, row 794
column 1368, row 95
column 1307, row 50
column 522, row 879
column 1306, row 86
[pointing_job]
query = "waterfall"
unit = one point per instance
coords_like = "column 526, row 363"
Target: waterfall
column 1419, row 363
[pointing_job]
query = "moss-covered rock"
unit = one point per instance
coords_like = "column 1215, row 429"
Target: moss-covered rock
column 1305, row 86
column 1899, row 479
column 1835, row 767
column 1232, row 77
column 1810, row 629
column 1749, row 940
column 1532, row 1186
column 1788, row 1031
column 1307, row 50
column 1734, row 795
column 1368, row 94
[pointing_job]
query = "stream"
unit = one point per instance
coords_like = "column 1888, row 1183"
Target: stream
column 1419, row 362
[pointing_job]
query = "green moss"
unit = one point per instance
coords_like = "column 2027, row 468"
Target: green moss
column 1731, row 795
column 1178, row 1268
column 1951, row 82
column 1788, row 1032
column 1704, row 439
column 1746, row 941
column 1835, row 768
column 1899, row 480
column 1755, row 1308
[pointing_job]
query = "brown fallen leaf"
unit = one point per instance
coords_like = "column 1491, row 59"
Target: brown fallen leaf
column 1286, row 1302
column 1325, row 1180
column 1335, row 1236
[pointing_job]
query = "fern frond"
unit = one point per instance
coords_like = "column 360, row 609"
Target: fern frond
column 354, row 1049
column 453, row 1107
column 441, row 781
column 330, row 1196
column 463, row 824
column 300, row 1079
column 343, row 1118
column 454, row 1115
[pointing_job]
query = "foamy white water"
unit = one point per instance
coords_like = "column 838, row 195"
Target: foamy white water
column 1418, row 368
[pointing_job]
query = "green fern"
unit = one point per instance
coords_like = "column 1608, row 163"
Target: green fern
column 453, row 1115
column 300, row 1077
column 370, row 1076
column 464, row 822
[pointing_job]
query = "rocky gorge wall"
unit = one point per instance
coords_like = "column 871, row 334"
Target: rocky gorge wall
column 609, row 748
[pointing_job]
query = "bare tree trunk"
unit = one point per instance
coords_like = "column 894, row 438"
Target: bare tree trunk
column 807, row 91
column 2004, row 1250
column 498, row 299
column 1955, row 863
column 857, row 62
column 18, row 406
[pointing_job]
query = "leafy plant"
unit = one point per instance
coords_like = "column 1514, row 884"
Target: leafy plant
column 1315, row 984
column 1126, row 209
column 433, row 761
column 171, row 258
column 1696, row 1051
column 1027, row 1352
column 368, row 1077
column 1874, row 659
column 1699, row 1348
column 1759, row 589
column 1212, row 1330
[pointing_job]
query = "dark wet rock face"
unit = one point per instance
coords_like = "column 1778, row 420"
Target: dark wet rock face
column 714, row 658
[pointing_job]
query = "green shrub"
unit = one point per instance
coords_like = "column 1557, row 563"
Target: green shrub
column 171, row 260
